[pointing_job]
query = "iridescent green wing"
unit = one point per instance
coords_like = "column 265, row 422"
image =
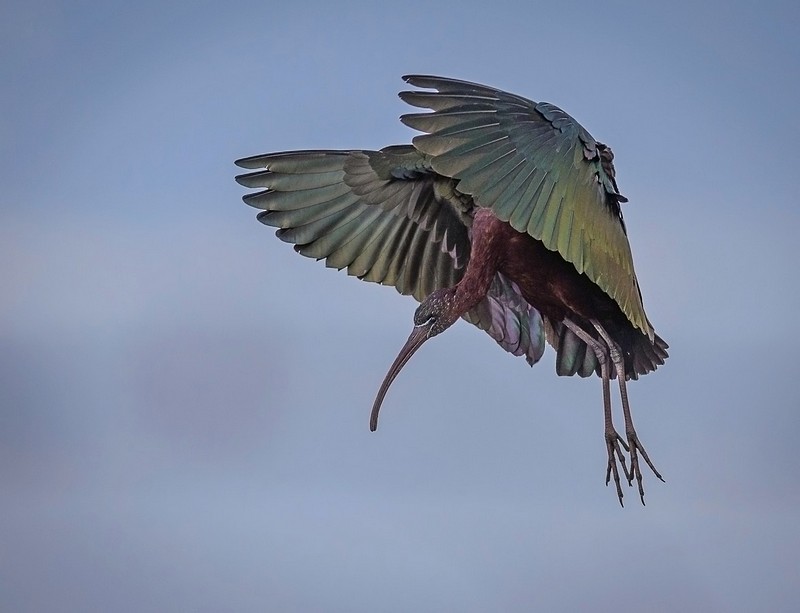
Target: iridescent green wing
column 536, row 168
column 386, row 218
column 377, row 213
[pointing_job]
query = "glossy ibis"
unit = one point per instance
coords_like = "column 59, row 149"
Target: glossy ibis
column 504, row 212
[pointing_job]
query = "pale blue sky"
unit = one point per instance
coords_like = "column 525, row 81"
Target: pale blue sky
column 184, row 400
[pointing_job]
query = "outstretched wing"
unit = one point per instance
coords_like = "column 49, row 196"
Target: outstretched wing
column 536, row 168
column 377, row 213
column 386, row 218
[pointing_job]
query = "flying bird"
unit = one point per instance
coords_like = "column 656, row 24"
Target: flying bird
column 504, row 212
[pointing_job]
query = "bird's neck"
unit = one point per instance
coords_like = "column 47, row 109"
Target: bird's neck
column 488, row 244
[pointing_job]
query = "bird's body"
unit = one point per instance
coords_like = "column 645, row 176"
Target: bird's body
column 545, row 279
column 506, row 212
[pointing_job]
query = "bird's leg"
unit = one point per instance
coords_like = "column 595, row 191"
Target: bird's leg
column 634, row 443
column 614, row 442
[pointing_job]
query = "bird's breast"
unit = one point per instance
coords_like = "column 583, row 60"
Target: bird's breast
column 548, row 282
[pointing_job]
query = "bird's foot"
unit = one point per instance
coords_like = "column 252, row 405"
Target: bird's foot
column 614, row 445
column 637, row 448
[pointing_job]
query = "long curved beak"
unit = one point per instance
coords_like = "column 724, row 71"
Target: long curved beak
column 418, row 336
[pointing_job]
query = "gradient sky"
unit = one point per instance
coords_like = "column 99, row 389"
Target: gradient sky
column 184, row 400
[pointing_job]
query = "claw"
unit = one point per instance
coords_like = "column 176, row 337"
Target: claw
column 636, row 447
column 613, row 443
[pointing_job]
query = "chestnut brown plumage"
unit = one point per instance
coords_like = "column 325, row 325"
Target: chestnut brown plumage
column 505, row 212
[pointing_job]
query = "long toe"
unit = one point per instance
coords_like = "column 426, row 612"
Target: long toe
column 614, row 445
column 636, row 448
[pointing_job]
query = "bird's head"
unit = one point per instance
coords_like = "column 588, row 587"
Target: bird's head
column 433, row 316
column 437, row 312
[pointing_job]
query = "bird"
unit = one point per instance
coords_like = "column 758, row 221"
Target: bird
column 502, row 211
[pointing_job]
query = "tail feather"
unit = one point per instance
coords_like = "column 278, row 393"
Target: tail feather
column 574, row 357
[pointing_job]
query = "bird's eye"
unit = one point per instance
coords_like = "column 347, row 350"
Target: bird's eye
column 424, row 321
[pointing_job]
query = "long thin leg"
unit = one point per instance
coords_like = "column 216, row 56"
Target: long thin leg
column 634, row 443
column 613, row 439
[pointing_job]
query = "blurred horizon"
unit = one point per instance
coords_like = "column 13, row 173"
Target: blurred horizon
column 184, row 400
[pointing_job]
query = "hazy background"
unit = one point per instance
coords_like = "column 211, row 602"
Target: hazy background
column 184, row 400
